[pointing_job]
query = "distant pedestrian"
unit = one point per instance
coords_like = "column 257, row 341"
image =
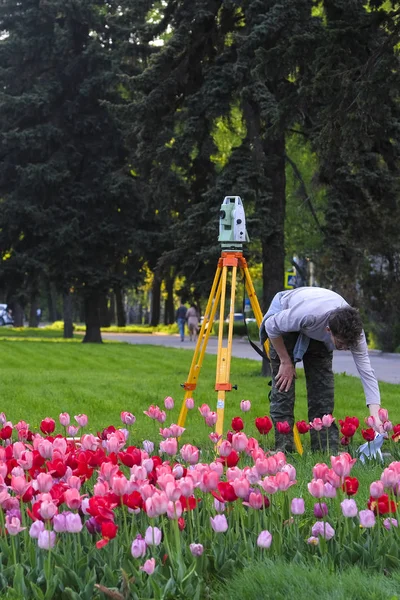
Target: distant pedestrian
column 38, row 316
column 192, row 317
column 181, row 320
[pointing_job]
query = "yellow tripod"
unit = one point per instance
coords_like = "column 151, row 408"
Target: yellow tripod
column 229, row 260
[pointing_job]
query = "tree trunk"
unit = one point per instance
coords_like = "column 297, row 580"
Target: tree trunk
column 92, row 318
column 155, row 301
column 18, row 314
column 51, row 302
column 169, row 313
column 67, row 316
column 104, row 312
column 111, row 310
column 121, row 316
column 33, row 320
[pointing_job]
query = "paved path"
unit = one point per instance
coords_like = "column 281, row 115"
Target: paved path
column 386, row 366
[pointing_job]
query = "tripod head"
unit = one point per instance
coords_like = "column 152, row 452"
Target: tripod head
column 232, row 224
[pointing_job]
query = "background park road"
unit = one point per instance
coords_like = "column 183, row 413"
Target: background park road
column 386, row 366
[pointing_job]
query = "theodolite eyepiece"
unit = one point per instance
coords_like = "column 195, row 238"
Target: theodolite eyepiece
column 232, row 224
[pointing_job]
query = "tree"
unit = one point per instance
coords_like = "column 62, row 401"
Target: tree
column 70, row 207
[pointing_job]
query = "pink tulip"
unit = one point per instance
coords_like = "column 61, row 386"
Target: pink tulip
column 149, row 566
column 342, row 464
column 333, row 479
column 256, row 500
column 245, row 405
column 327, row 420
column 72, row 498
column 45, row 449
column 139, row 547
column 383, row 414
column 174, row 510
column 82, row 420
column 211, row 419
column 241, row 487
column 209, row 481
column 73, row 523
column 316, row 488
column 225, row 448
column 269, row 485
column 177, row 430
column 389, row 478
column 152, row 412
column 166, row 433
column 367, row 518
column 189, row 403
column 169, row 403
column 389, row 523
column 19, row 485
column 120, row 485
column 13, row 525
column 323, row 529
column 148, row 446
column 239, row 441
column 320, row 470
column 283, row 481
column 153, row 536
column 196, row 549
column 204, row 410
column 313, row 541
column 89, row 442
column 215, row 437
column 387, row 426
column 36, row 528
column 44, row 482
column 219, row 506
column 26, row 460
column 59, row 522
column 329, row 490
column 349, row 508
column 219, row 523
column 370, row 421
column 376, row 489
column 316, row 424
column 162, row 416
column 72, row 430
column 186, row 486
column 127, row 418
column 169, row 446
column 46, row 540
column 297, row 506
column 3, row 418
column 65, row 419
column 264, row 539
column 190, row 454
column 263, row 467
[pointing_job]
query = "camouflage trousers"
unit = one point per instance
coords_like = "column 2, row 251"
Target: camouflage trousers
column 317, row 363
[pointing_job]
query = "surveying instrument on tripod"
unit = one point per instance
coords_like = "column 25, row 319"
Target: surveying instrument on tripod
column 232, row 236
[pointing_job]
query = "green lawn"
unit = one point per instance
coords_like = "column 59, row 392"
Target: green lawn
column 48, row 375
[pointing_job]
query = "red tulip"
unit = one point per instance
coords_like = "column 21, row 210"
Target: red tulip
column 47, row 426
column 237, row 424
column 108, row 532
column 368, row 434
column 348, row 429
column 226, row 492
column 396, row 433
column 6, row 432
column 302, row 427
column 350, row 485
column 181, row 524
column 283, row 427
column 382, row 505
column 264, row 425
column 133, row 500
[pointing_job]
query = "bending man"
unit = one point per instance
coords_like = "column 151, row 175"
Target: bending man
column 307, row 324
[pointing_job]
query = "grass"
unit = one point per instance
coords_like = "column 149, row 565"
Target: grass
column 281, row 581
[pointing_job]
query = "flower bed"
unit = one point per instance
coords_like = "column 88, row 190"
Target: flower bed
column 98, row 515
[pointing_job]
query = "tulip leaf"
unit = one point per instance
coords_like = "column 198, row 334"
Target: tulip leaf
column 37, row 592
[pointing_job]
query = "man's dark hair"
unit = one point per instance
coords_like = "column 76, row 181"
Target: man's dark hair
column 346, row 325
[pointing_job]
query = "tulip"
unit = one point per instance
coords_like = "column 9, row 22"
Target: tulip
column 245, row 405
column 389, row 523
column 64, row 419
column 389, row 478
column 47, row 509
column 219, row 523
column 370, row 421
column 237, row 424
column 47, row 426
column 376, row 489
column 225, row 448
column 367, row 518
column 239, row 442
column 72, row 430
column 297, row 506
column 82, row 420
column 148, row 446
column 264, row 539
column 59, row 522
column 348, row 430
column 320, row 510
column 127, row 418
column 264, row 425
column 256, row 500
column 316, row 488
column 323, row 529
column 302, row 427
column 387, row 426
column 349, row 508
column 153, row 536
column 368, row 434
column 169, row 446
column 383, row 414
column 44, row 482
column 196, row 549
column 46, row 540
column 283, row 428
column 211, row 419
column 176, row 430
column 139, row 547
column 36, row 528
column 204, row 410
column 350, row 485
column 189, row 403
column 215, row 437
column 13, row 525
column 329, row 490
column 73, row 523
column 169, row 403
column 190, row 454
column 316, row 424
column 149, row 566
column 313, row 541
column 327, row 420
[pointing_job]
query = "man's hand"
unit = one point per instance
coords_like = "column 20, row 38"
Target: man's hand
column 373, row 411
column 285, row 376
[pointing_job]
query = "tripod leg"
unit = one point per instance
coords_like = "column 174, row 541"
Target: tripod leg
column 201, row 344
column 258, row 315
